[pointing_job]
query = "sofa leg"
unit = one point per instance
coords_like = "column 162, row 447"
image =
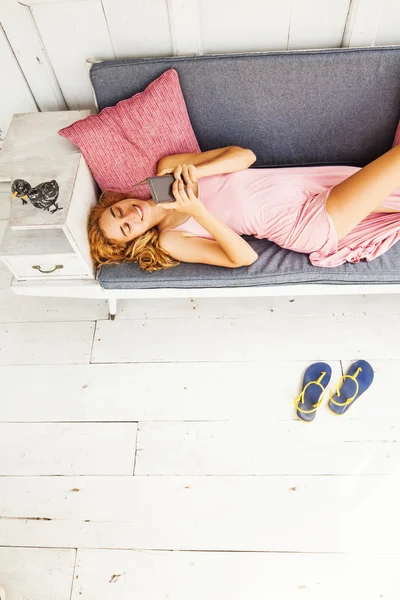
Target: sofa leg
column 112, row 308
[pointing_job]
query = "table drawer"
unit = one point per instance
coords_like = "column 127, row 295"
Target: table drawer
column 53, row 266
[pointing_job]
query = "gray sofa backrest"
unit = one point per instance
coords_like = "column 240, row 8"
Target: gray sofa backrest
column 313, row 107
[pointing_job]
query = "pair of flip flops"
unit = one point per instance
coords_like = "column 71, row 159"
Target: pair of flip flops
column 349, row 387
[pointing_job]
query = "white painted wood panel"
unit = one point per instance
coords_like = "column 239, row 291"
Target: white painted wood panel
column 14, row 308
column 254, row 25
column 67, row 449
column 335, row 446
column 202, row 391
column 139, row 28
column 15, row 93
column 317, row 24
column 85, row 196
column 197, row 308
column 21, row 146
column 84, row 34
column 52, row 266
column 388, row 26
column 5, row 200
column 37, row 573
column 113, row 575
column 37, row 170
column 45, row 343
column 162, row 392
column 27, row 242
column 285, row 513
column 363, row 22
column 27, row 45
column 5, row 275
column 249, row 339
column 185, row 26
column 122, row 29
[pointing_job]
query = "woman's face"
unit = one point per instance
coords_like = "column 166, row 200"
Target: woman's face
column 126, row 220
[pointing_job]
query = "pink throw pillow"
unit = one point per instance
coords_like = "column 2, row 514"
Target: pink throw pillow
column 396, row 141
column 123, row 144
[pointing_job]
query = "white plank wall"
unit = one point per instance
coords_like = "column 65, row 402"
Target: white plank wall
column 84, row 34
column 53, row 59
column 15, row 95
column 139, row 28
column 28, row 47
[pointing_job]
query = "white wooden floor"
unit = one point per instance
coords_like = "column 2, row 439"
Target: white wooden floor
column 158, row 456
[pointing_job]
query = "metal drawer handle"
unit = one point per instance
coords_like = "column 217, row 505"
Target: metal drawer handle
column 38, row 267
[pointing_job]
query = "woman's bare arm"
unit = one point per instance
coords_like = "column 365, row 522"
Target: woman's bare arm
column 229, row 249
column 212, row 162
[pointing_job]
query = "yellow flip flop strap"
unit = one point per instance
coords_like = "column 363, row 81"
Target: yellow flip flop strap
column 300, row 398
column 337, row 391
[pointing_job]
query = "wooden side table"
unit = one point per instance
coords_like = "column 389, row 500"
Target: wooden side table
column 46, row 236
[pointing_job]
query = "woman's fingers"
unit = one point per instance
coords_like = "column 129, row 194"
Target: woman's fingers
column 178, row 191
column 190, row 193
column 186, row 174
column 164, row 172
column 178, row 172
column 193, row 173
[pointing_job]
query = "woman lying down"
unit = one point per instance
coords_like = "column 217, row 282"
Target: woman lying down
column 334, row 214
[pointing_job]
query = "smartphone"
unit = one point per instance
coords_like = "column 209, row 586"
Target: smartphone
column 161, row 188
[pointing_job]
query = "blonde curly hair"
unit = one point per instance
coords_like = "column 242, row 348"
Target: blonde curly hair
column 145, row 250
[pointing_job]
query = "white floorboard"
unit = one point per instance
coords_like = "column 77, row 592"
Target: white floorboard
column 162, row 451
column 333, row 447
column 115, row 575
column 179, row 392
column 294, row 513
column 5, row 275
column 19, row 309
column 67, row 449
column 161, row 392
column 37, row 573
column 45, row 343
column 247, row 339
column 301, row 306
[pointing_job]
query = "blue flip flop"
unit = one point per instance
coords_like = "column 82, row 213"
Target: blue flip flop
column 315, row 380
column 358, row 379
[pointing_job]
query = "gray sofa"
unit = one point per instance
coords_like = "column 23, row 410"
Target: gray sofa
column 313, row 107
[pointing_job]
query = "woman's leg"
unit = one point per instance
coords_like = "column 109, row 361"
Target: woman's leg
column 360, row 194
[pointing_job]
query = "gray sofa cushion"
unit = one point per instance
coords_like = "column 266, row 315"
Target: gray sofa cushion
column 314, row 107
column 275, row 266
column 335, row 106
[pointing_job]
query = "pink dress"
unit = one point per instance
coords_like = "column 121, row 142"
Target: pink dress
column 288, row 206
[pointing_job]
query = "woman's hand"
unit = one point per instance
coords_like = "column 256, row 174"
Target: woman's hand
column 189, row 172
column 185, row 202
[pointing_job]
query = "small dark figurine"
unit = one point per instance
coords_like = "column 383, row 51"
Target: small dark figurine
column 42, row 196
column 20, row 188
